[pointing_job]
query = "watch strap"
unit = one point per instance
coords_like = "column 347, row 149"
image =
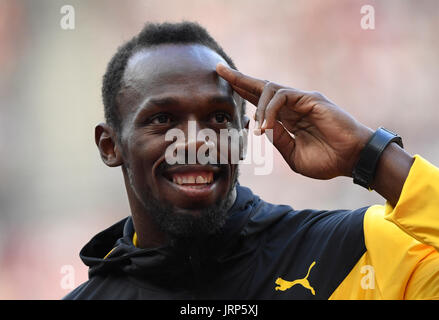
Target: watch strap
column 364, row 170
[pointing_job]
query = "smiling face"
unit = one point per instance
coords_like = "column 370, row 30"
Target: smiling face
column 166, row 87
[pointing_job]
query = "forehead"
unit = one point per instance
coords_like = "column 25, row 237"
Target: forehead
column 170, row 61
column 171, row 70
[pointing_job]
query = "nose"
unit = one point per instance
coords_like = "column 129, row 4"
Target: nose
column 199, row 143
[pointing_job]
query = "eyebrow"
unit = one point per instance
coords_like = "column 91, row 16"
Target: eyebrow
column 160, row 102
column 222, row 100
column 166, row 101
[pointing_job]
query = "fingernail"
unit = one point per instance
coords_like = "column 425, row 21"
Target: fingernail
column 264, row 124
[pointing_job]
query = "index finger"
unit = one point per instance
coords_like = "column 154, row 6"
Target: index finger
column 240, row 80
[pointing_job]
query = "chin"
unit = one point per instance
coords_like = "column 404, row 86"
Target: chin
column 196, row 209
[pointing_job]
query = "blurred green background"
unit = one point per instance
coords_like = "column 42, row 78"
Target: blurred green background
column 55, row 193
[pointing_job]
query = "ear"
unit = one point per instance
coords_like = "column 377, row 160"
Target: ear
column 105, row 139
column 243, row 146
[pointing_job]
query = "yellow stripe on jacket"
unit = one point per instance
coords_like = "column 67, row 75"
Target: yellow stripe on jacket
column 402, row 259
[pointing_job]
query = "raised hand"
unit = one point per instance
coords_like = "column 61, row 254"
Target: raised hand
column 316, row 137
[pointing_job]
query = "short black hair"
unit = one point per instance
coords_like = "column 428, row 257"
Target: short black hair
column 152, row 34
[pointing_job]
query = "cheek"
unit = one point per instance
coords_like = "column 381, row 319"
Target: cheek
column 143, row 154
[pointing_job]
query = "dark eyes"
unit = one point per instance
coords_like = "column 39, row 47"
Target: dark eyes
column 164, row 118
column 161, row 118
column 221, row 117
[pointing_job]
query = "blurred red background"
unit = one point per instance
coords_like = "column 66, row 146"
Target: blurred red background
column 55, row 193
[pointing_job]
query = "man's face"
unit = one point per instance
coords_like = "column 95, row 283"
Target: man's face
column 165, row 87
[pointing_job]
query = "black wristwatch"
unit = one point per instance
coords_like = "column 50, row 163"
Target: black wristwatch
column 364, row 170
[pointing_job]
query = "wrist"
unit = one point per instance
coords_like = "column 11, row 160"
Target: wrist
column 365, row 169
column 363, row 135
column 391, row 172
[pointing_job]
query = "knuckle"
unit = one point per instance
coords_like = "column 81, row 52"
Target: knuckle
column 317, row 95
column 237, row 76
column 271, row 86
column 283, row 91
column 282, row 95
column 238, row 73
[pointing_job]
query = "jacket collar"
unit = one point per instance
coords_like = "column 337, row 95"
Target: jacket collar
column 113, row 248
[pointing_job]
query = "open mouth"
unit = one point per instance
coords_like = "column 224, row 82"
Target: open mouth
column 192, row 176
column 193, row 186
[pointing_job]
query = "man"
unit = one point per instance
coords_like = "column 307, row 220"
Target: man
column 195, row 233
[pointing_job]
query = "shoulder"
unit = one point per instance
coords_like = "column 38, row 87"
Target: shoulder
column 331, row 241
column 78, row 292
column 341, row 223
column 101, row 287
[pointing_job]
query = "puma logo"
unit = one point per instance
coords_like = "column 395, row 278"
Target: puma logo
column 284, row 285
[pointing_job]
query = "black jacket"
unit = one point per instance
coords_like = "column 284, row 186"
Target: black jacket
column 260, row 244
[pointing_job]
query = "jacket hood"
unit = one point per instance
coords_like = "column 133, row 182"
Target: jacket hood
column 112, row 250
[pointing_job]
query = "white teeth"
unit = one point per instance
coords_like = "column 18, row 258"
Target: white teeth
column 199, row 179
column 191, row 179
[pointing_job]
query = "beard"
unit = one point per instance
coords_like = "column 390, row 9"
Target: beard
column 181, row 227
